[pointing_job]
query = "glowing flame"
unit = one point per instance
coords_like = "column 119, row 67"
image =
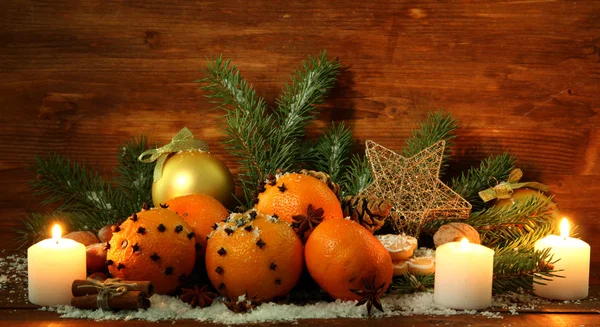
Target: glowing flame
column 564, row 228
column 56, row 232
column 464, row 241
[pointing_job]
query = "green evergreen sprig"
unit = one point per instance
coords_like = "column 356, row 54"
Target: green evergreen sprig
column 358, row 176
column 408, row 283
column 438, row 126
column 500, row 225
column 332, row 151
column 86, row 201
column 265, row 141
column 517, row 265
column 476, row 179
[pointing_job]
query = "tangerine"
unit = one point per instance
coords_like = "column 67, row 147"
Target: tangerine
column 341, row 256
column 201, row 212
column 254, row 254
column 292, row 194
column 155, row 245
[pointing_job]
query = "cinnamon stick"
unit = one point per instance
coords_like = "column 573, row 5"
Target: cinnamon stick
column 131, row 300
column 83, row 287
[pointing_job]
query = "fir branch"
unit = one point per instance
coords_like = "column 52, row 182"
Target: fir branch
column 309, row 86
column 358, row 176
column 264, row 142
column 332, row 151
column 438, row 126
column 501, row 225
column 77, row 188
column 408, row 283
column 469, row 184
column 37, row 226
column 518, row 266
column 134, row 179
column 247, row 123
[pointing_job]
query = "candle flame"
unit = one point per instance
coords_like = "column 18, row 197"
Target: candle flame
column 464, row 241
column 56, row 232
column 564, row 228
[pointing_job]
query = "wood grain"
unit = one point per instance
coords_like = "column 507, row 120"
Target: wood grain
column 28, row 318
column 79, row 77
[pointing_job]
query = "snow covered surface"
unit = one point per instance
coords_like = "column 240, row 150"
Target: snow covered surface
column 13, row 271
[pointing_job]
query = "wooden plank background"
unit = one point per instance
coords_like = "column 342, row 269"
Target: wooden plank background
column 79, row 77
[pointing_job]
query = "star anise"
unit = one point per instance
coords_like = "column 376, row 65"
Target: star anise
column 245, row 305
column 370, row 295
column 201, row 297
column 306, row 223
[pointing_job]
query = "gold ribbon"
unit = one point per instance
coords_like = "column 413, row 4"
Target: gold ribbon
column 504, row 190
column 182, row 141
column 111, row 287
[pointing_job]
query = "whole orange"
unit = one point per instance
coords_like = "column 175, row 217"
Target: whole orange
column 254, row 254
column 201, row 212
column 155, row 245
column 341, row 254
column 293, row 193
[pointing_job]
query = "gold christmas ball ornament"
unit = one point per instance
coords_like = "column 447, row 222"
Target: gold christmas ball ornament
column 184, row 167
column 526, row 193
column 194, row 172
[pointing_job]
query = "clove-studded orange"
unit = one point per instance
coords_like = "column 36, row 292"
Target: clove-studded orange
column 155, row 245
column 291, row 194
column 254, row 254
column 201, row 212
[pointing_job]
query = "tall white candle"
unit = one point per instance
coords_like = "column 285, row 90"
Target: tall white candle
column 52, row 265
column 573, row 257
column 463, row 275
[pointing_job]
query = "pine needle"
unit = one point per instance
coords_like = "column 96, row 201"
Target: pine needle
column 438, row 126
column 333, row 150
column 502, row 224
column 408, row 283
column 358, row 176
column 265, row 141
column 469, row 184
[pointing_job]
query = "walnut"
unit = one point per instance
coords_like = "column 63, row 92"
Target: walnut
column 454, row 232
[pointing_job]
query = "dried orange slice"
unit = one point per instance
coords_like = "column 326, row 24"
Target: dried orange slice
column 400, row 247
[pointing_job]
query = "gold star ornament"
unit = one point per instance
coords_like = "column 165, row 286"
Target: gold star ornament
column 413, row 186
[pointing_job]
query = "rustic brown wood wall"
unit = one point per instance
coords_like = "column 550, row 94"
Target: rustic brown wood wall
column 79, row 77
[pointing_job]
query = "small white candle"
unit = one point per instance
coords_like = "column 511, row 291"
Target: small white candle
column 52, row 266
column 573, row 257
column 463, row 275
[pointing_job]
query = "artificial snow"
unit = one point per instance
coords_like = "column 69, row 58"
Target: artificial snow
column 13, row 271
column 171, row 308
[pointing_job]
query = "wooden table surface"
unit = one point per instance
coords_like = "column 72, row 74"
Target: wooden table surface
column 79, row 77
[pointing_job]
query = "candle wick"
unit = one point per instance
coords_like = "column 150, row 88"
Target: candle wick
column 56, row 242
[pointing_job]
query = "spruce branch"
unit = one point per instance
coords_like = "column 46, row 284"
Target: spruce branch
column 408, row 283
column 332, row 151
column 495, row 167
column 517, row 265
column 37, row 226
column 309, row 85
column 77, row 188
column 266, row 141
column 501, row 225
column 358, row 176
column 134, row 180
column 438, row 126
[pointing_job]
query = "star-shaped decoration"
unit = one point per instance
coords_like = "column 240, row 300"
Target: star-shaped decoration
column 413, row 186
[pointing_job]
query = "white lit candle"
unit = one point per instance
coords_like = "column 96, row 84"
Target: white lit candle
column 463, row 275
column 573, row 257
column 52, row 265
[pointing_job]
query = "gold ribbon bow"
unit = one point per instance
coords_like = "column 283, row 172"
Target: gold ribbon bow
column 182, row 141
column 504, row 190
column 111, row 287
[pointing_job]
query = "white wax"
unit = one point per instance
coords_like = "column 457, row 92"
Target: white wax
column 574, row 258
column 463, row 276
column 52, row 267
